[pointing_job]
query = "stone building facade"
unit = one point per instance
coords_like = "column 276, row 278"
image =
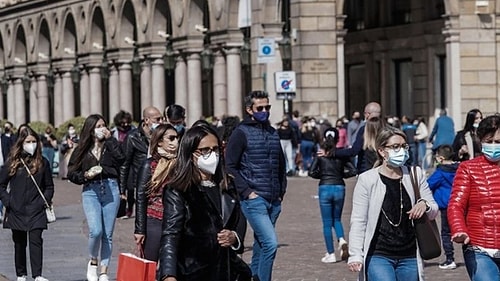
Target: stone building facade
column 60, row 59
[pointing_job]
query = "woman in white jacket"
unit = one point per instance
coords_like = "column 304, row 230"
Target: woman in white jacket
column 382, row 241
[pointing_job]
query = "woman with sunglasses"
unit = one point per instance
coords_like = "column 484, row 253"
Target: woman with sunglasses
column 382, row 240
column 199, row 219
column 151, row 179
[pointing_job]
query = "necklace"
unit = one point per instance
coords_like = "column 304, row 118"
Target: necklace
column 400, row 207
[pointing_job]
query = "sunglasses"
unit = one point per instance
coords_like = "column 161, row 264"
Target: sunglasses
column 171, row 137
column 206, row 151
column 260, row 108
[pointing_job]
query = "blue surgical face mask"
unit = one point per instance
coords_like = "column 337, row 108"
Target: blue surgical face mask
column 154, row 126
column 491, row 151
column 261, row 116
column 399, row 158
column 179, row 128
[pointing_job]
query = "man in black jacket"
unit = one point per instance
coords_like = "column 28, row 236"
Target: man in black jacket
column 135, row 148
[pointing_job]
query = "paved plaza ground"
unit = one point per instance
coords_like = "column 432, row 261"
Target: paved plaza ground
column 299, row 231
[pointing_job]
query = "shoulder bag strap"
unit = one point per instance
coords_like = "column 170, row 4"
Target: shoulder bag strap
column 36, row 184
column 414, row 182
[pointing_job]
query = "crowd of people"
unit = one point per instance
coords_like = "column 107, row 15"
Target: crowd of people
column 192, row 190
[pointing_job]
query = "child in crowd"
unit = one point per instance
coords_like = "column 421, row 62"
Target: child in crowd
column 440, row 182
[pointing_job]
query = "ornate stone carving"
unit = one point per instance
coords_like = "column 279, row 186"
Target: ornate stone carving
column 178, row 12
column 219, row 7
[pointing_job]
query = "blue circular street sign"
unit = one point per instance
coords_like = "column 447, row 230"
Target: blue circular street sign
column 285, row 84
column 266, row 50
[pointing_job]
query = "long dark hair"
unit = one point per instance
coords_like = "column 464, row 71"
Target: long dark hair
column 470, row 119
column 87, row 139
column 17, row 153
column 185, row 172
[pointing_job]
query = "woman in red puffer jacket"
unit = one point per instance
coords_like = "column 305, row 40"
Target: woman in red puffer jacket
column 474, row 208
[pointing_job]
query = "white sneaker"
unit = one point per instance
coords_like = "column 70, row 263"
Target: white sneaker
column 329, row 258
column 21, row 278
column 91, row 272
column 344, row 251
column 103, row 277
column 40, row 278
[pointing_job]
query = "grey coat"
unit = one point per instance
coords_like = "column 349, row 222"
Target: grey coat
column 368, row 197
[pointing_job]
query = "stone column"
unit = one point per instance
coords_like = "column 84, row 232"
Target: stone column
column 158, row 82
column 341, row 72
column 33, row 96
column 181, row 82
column 453, row 70
column 96, row 90
column 20, row 102
column 58, row 100
column 68, row 95
column 234, row 99
column 146, row 96
column 11, row 103
column 114, row 91
column 194, row 108
column 220, row 85
column 43, row 98
column 86, row 96
column 125, row 85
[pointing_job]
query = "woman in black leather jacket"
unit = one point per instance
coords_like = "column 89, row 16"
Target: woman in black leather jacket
column 151, row 179
column 331, row 193
column 199, row 241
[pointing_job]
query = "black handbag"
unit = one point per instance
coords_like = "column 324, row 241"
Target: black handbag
column 426, row 230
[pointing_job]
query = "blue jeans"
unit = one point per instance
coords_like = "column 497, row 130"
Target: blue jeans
column 331, row 203
column 422, row 150
column 380, row 268
column 101, row 200
column 306, row 149
column 262, row 215
column 446, row 236
column 49, row 152
column 480, row 266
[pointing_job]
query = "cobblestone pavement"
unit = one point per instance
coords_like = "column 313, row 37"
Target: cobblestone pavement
column 299, row 232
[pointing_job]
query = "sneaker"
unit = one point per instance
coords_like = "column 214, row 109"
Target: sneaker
column 91, row 272
column 103, row 277
column 448, row 265
column 40, row 278
column 329, row 258
column 21, row 278
column 343, row 248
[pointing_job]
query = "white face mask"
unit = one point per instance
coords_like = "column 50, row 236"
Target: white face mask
column 208, row 163
column 99, row 133
column 71, row 131
column 30, row 148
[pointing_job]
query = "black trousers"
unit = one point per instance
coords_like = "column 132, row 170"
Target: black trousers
column 153, row 237
column 20, row 239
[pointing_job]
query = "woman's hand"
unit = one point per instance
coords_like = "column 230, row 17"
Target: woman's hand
column 418, row 210
column 169, row 279
column 355, row 266
column 226, row 238
column 460, row 237
column 139, row 239
column 320, row 152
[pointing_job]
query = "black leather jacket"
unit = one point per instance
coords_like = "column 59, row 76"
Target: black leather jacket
column 135, row 149
column 189, row 244
column 141, row 197
column 329, row 170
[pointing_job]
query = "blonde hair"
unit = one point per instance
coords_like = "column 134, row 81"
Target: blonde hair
column 372, row 128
